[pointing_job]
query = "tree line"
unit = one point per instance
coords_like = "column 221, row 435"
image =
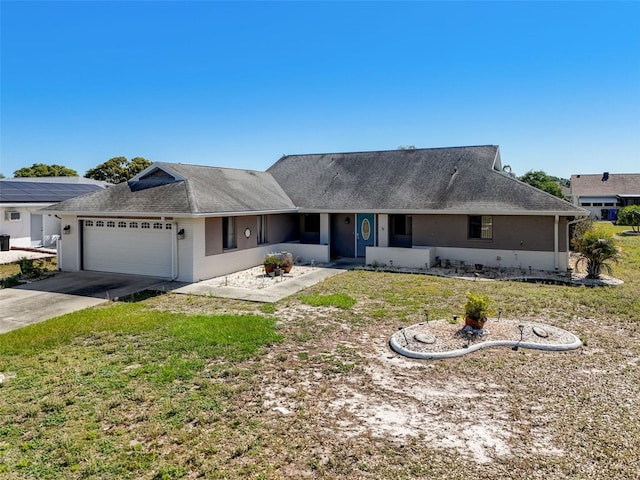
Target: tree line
column 114, row 170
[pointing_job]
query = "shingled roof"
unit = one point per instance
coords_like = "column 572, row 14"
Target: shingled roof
column 606, row 184
column 435, row 180
column 462, row 180
column 178, row 189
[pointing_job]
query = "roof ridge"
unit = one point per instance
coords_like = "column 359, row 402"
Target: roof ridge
column 389, row 150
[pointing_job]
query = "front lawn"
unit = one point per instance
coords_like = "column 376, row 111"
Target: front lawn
column 178, row 386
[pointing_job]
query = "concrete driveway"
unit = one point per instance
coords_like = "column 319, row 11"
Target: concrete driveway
column 64, row 293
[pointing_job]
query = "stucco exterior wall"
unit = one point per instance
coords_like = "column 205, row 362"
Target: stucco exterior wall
column 530, row 233
column 20, row 231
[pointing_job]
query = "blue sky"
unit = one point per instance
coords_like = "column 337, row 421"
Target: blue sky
column 556, row 85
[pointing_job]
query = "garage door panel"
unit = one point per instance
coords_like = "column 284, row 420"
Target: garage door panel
column 113, row 246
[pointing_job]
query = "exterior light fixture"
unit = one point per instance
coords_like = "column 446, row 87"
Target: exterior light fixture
column 181, row 234
column 67, row 229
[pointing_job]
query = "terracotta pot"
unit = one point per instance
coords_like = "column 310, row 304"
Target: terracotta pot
column 476, row 324
column 287, row 269
column 269, row 268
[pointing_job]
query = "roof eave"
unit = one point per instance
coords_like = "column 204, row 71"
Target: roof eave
column 172, row 214
column 576, row 213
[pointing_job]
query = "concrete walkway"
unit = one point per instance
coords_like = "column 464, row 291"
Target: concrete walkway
column 272, row 293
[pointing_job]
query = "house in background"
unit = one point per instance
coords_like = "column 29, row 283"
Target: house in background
column 408, row 208
column 603, row 194
column 21, row 198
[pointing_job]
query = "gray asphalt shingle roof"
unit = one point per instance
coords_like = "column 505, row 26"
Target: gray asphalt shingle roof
column 455, row 180
column 616, row 184
column 204, row 190
column 438, row 180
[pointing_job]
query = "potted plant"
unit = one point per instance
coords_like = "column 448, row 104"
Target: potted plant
column 476, row 309
column 271, row 262
column 286, row 261
column 279, row 260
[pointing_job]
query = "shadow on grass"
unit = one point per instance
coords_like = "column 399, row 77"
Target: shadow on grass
column 141, row 296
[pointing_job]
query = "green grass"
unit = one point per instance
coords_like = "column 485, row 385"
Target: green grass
column 95, row 390
column 338, row 300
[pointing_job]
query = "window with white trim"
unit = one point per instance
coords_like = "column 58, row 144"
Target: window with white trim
column 133, row 224
column 88, row 223
column 99, row 223
column 157, row 226
column 145, row 225
column 111, row 224
column 122, row 224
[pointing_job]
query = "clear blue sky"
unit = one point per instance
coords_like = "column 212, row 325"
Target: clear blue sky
column 556, row 85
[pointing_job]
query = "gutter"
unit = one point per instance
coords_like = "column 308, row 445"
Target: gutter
column 243, row 213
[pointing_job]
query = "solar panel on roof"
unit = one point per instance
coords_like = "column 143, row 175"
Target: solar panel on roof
column 41, row 192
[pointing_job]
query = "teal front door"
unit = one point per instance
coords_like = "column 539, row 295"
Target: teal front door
column 365, row 233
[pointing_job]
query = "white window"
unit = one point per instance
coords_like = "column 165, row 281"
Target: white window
column 157, row 226
column 122, row 224
column 88, row 223
column 133, row 224
column 145, row 225
column 12, row 216
column 99, row 223
column 167, row 226
column 111, row 224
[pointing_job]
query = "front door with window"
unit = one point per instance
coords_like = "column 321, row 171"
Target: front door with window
column 365, row 233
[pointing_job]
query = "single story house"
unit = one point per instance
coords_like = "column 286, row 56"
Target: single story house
column 603, row 194
column 408, row 208
column 21, row 198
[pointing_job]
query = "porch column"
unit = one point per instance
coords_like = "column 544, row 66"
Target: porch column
column 383, row 230
column 556, row 234
column 324, row 229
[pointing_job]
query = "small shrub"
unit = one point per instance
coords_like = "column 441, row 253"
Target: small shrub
column 598, row 248
column 477, row 306
column 30, row 268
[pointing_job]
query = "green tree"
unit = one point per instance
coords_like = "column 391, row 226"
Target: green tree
column 630, row 215
column 118, row 169
column 44, row 170
column 544, row 182
column 597, row 248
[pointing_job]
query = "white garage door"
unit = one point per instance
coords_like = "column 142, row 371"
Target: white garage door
column 139, row 247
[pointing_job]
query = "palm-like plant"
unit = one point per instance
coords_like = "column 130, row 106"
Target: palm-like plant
column 598, row 248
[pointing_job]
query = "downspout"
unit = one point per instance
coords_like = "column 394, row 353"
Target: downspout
column 174, row 251
column 556, row 238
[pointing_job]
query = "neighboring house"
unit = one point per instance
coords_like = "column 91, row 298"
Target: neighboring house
column 603, row 194
column 21, row 198
column 402, row 207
